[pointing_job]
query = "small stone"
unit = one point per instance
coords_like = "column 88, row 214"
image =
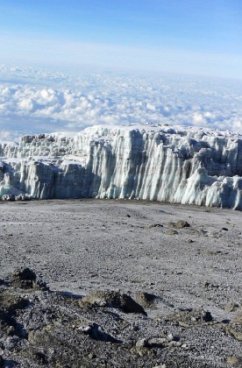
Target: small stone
column 155, row 225
column 41, row 358
column 156, row 342
column 11, row 342
column 10, row 331
column 141, row 343
column 181, row 224
column 234, row 361
column 145, row 299
column 171, row 232
column 238, row 318
column 97, row 333
column 226, row 321
column 175, row 343
column 25, row 274
column 176, row 338
column 85, row 329
column 91, row 356
column 24, row 278
column 207, row 317
column 112, row 299
column 170, row 337
column 236, row 334
column 231, row 307
column 11, row 301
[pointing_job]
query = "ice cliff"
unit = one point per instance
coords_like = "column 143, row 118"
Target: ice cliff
column 172, row 164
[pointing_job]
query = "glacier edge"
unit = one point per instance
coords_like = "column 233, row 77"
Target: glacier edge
column 169, row 164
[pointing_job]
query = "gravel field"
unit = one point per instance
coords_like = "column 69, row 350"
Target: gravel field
column 182, row 265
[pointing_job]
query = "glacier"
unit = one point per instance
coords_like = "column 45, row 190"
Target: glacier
column 175, row 164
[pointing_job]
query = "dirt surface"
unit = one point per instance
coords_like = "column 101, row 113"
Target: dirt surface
column 173, row 276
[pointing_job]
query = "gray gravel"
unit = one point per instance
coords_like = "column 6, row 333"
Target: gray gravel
column 133, row 247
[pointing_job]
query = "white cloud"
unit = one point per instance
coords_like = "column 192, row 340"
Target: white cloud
column 5, row 135
column 198, row 119
column 34, row 101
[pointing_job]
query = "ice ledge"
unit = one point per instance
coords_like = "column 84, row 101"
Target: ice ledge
column 165, row 163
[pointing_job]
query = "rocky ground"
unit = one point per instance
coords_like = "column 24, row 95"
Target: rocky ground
column 119, row 284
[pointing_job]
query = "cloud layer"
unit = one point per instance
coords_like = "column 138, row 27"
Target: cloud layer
column 33, row 101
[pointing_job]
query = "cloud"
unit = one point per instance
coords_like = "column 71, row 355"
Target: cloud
column 33, row 101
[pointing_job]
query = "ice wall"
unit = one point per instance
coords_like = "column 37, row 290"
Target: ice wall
column 172, row 164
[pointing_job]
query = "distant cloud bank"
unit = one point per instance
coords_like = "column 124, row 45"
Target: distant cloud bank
column 33, row 101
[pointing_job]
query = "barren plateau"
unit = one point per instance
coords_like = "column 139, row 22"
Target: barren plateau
column 102, row 283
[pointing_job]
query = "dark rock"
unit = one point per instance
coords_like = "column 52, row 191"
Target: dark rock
column 25, row 278
column 171, row 232
column 112, row 299
column 11, row 302
column 156, row 342
column 232, row 307
column 233, row 331
column 155, row 225
column 10, row 326
column 11, row 342
column 225, row 321
column 238, row 317
column 207, row 317
column 208, row 285
column 234, row 361
column 190, row 317
column 179, row 224
column 41, row 358
column 96, row 332
column 145, row 299
column 1, row 362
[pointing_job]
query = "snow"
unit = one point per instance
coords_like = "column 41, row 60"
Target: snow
column 162, row 163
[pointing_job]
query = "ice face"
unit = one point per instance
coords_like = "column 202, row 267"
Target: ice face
column 172, row 164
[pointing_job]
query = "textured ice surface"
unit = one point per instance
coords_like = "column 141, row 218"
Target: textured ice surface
column 173, row 164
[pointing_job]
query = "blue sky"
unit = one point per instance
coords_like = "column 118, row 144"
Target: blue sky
column 182, row 36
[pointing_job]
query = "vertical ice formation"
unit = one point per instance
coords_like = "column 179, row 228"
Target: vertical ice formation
column 172, row 164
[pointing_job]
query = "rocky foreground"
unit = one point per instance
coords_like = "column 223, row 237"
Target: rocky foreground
column 40, row 327
column 105, row 284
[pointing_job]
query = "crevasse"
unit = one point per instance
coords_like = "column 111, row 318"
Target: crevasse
column 171, row 164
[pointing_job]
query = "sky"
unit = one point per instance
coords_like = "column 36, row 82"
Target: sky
column 68, row 65
column 201, row 37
